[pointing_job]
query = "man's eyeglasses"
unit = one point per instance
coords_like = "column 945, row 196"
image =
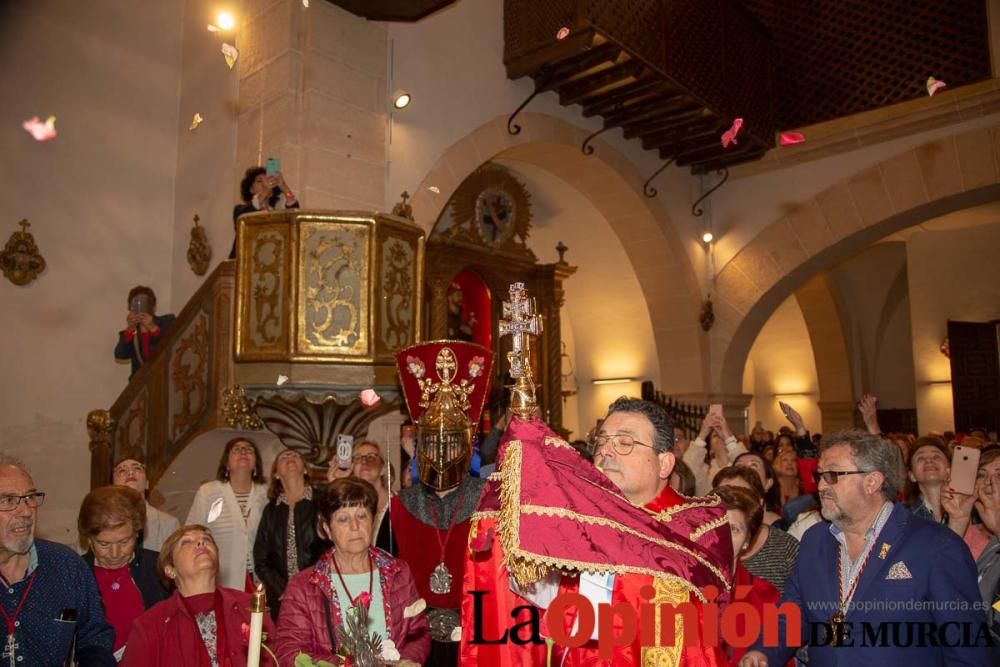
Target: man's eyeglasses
column 366, row 459
column 622, row 443
column 831, row 477
column 32, row 500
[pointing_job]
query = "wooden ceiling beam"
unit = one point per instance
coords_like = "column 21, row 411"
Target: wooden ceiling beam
column 575, row 92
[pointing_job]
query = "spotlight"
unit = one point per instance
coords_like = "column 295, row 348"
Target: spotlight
column 401, row 99
column 225, row 21
column 707, row 237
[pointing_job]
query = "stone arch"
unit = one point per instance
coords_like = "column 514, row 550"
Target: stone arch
column 611, row 182
column 931, row 180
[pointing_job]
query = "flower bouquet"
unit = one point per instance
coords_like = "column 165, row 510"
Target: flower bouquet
column 356, row 647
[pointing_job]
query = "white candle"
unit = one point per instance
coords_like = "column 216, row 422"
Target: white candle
column 257, row 608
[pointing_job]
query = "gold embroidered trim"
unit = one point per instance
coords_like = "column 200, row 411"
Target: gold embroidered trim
column 608, row 523
column 711, row 525
column 484, row 514
column 557, row 442
column 698, row 503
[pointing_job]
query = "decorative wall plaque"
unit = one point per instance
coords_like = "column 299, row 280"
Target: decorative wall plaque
column 20, row 260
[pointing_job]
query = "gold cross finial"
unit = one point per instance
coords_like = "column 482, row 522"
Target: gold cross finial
column 405, row 196
column 521, row 321
column 24, row 225
column 196, row 219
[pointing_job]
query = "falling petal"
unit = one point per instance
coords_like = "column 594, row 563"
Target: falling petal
column 934, row 85
column 791, row 138
column 231, row 53
column 213, row 28
column 196, row 121
column 389, row 651
column 369, row 397
column 415, row 608
column 563, row 33
column 305, row 3
column 456, row 633
column 435, row 189
column 41, row 131
column 214, row 511
column 729, row 136
column 282, row 379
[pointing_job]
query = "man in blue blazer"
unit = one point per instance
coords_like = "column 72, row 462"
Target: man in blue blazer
column 878, row 586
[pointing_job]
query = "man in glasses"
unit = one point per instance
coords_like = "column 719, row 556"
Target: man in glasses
column 47, row 593
column 856, row 580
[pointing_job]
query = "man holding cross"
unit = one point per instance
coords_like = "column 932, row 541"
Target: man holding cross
column 552, row 525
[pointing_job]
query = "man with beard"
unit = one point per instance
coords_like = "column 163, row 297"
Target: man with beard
column 883, row 587
column 48, row 598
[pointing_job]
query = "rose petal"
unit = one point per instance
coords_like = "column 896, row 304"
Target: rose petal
column 791, row 138
column 389, row 651
column 369, row 397
column 231, row 53
column 196, row 121
column 415, row 608
column 934, row 85
column 214, row 511
column 41, row 131
column 729, row 136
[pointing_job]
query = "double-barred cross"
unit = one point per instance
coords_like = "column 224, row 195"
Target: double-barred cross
column 520, row 322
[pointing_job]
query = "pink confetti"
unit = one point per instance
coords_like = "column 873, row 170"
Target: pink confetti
column 729, row 136
column 369, row 398
column 562, row 33
column 41, row 131
column 934, row 85
column 791, row 138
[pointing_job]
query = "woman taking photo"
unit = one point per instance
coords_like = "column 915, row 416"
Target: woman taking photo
column 201, row 624
column 286, row 537
column 367, row 463
column 109, row 523
column 352, row 572
column 231, row 507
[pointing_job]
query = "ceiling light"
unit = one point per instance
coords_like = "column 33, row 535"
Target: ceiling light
column 707, row 237
column 401, row 99
column 225, row 21
column 613, row 380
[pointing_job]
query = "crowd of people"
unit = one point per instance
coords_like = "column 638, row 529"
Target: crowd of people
column 803, row 513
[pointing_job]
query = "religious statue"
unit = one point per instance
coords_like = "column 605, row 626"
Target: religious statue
column 460, row 327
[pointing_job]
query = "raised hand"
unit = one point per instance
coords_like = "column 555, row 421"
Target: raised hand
column 792, row 415
column 868, row 407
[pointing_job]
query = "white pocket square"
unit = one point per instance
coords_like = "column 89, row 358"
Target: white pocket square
column 899, row 571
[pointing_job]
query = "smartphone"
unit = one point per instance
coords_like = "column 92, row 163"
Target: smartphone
column 273, row 166
column 345, row 447
column 140, row 304
column 716, row 408
column 964, row 465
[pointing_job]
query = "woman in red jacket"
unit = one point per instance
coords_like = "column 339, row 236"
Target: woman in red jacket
column 349, row 574
column 201, row 624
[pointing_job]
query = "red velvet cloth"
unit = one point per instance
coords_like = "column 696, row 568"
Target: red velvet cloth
column 420, row 548
column 473, row 366
column 122, row 605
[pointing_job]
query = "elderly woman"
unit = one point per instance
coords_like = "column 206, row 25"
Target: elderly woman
column 201, row 624
column 231, row 506
column 287, row 542
column 351, row 573
column 367, row 463
column 744, row 508
column 109, row 524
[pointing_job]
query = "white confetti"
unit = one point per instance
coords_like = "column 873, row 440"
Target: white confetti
column 435, row 189
column 196, row 121
column 282, row 379
column 231, row 53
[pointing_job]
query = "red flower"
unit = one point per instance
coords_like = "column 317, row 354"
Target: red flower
column 245, row 631
column 365, row 599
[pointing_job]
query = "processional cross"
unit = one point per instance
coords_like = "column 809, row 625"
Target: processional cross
column 10, row 648
column 521, row 321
